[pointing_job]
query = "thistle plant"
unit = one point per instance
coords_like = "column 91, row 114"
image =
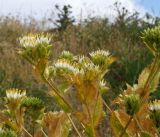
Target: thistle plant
column 77, row 83
column 81, row 74
column 136, row 116
column 34, row 107
column 57, row 124
column 151, row 39
column 12, row 117
column 36, row 49
column 13, row 111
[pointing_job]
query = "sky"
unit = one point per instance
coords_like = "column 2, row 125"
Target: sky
column 80, row 8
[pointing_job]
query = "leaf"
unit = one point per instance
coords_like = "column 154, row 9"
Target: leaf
column 145, row 134
column 57, row 123
column 60, row 102
column 124, row 118
column 144, row 77
column 116, row 125
column 40, row 67
column 98, row 111
column 89, row 131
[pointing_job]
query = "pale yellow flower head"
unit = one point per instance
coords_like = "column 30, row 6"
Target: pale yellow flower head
column 15, row 94
column 31, row 40
column 155, row 105
column 62, row 64
column 100, row 53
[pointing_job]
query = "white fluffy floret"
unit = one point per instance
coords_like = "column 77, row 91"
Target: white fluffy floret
column 69, row 67
column 15, row 94
column 155, row 105
column 91, row 66
column 32, row 40
column 100, row 52
column 102, row 83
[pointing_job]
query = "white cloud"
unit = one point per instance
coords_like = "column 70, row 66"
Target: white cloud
column 102, row 7
column 40, row 7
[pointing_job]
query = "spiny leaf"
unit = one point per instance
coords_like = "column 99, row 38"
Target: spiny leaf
column 60, row 102
column 145, row 134
column 117, row 126
column 98, row 111
column 57, row 124
column 144, row 77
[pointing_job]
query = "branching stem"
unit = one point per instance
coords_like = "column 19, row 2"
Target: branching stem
column 105, row 104
column 57, row 92
column 44, row 133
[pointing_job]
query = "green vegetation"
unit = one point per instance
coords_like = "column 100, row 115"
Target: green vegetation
column 59, row 80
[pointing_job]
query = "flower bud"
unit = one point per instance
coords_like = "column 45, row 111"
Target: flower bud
column 132, row 104
column 35, row 47
column 154, row 107
column 151, row 38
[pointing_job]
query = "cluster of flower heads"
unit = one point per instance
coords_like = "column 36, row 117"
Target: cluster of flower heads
column 68, row 67
column 67, row 55
column 35, row 47
column 32, row 40
column 102, row 58
column 155, row 105
column 15, row 94
column 99, row 53
column 87, row 62
column 82, row 66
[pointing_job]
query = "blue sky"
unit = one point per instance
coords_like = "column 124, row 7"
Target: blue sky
column 41, row 8
column 151, row 5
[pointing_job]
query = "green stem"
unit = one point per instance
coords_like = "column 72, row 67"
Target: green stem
column 91, row 120
column 105, row 104
column 44, row 133
column 27, row 131
column 97, row 99
column 33, row 126
column 154, row 70
column 74, row 126
column 150, row 75
column 56, row 91
column 125, row 128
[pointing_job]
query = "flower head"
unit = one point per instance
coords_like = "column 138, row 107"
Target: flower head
column 35, row 48
column 103, row 86
column 100, row 53
column 15, row 94
column 102, row 59
column 155, row 113
column 67, row 67
column 155, row 105
column 151, row 38
column 14, row 98
column 32, row 40
column 132, row 103
column 67, row 55
column 34, row 107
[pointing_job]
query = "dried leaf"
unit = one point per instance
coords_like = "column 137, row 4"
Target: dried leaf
column 116, row 125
